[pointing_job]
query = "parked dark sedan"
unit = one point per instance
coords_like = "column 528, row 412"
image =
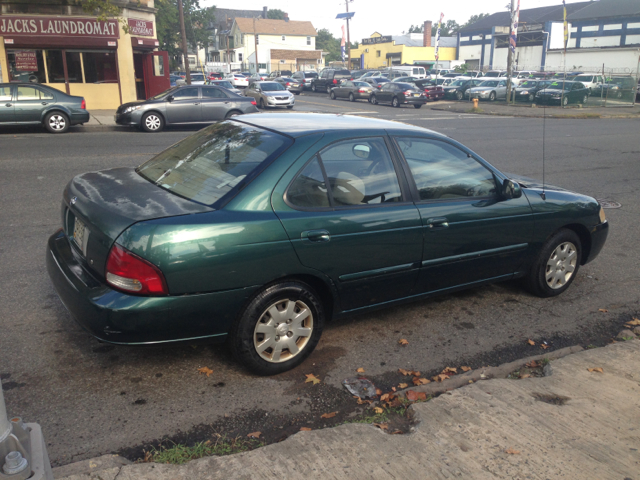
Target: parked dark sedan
column 259, row 230
column 184, row 104
column 34, row 104
column 290, row 84
column 563, row 92
column 353, row 90
column 375, row 82
column 616, row 87
column 526, row 91
column 457, row 88
column 399, row 93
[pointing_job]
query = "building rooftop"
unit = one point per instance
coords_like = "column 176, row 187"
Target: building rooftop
column 416, row 40
column 607, row 9
column 276, row 27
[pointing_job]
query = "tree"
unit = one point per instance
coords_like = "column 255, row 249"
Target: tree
column 449, row 28
column 275, row 14
column 473, row 19
column 416, row 29
column 103, row 9
column 196, row 21
column 326, row 42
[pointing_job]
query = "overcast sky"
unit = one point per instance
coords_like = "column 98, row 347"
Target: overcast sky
column 376, row 15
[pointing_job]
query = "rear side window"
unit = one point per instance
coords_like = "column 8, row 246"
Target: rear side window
column 213, row 93
column 214, row 161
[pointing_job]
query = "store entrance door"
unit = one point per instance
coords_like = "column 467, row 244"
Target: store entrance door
column 156, row 73
column 139, row 70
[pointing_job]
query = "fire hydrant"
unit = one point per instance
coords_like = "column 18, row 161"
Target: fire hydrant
column 475, row 103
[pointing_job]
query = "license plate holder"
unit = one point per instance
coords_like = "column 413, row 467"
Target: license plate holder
column 80, row 234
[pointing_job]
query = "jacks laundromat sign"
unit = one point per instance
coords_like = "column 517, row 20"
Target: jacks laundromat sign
column 11, row 26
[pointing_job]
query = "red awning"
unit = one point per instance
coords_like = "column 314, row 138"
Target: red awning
column 58, row 42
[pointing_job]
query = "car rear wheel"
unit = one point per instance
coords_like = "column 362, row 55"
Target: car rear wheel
column 584, row 99
column 373, row 100
column 56, row 122
column 417, row 105
column 232, row 113
column 278, row 329
column 352, row 98
column 262, row 105
column 152, row 122
column 313, row 87
column 459, row 95
column 395, row 102
column 565, row 101
column 332, row 95
column 328, row 89
column 556, row 266
column 492, row 96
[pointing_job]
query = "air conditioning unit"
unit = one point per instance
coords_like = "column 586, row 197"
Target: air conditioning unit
column 366, row 50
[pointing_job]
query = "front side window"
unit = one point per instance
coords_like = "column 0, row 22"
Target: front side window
column 206, row 166
column 442, row 171
column 28, row 93
column 5, row 94
column 309, row 189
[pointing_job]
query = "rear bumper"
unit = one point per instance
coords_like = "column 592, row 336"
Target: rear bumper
column 416, row 101
column 115, row 317
column 599, row 235
column 79, row 117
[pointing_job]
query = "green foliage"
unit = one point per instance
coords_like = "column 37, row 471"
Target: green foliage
column 473, row 19
column 275, row 14
column 196, row 21
column 325, row 41
column 416, row 28
column 103, row 9
column 461, row 68
column 179, row 454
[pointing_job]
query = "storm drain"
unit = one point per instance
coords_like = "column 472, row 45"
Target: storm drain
column 608, row 203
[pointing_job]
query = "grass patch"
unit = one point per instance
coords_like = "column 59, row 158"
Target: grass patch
column 179, row 454
column 475, row 110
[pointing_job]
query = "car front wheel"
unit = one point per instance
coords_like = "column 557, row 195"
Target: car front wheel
column 262, row 105
column 278, row 329
column 352, row 98
column 459, row 95
column 374, row 100
column 492, row 96
column 56, row 122
column 328, row 89
column 395, row 102
column 332, row 95
column 584, row 99
column 565, row 101
column 556, row 266
column 152, row 122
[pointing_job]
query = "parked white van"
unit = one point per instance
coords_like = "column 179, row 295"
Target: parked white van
column 410, row 71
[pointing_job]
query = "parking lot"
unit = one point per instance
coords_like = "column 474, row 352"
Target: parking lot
column 93, row 398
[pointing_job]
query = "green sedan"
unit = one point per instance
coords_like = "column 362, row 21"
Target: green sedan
column 259, row 230
column 34, row 104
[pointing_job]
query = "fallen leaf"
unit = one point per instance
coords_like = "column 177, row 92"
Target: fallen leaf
column 597, row 369
column 634, row 322
column 440, row 378
column 409, row 372
column 395, row 403
column 384, row 397
column 393, row 388
column 328, row 415
column 360, row 370
column 205, row 370
column 422, row 396
column 531, row 342
column 465, row 369
column 526, row 375
column 397, row 432
column 381, row 426
column 378, row 391
column 378, row 410
column 254, row 435
column 532, row 364
column 362, row 402
column 450, row 370
column 544, row 346
column 412, row 396
column 305, row 429
column 511, row 451
column 312, row 378
column 403, row 341
column 403, row 385
column 603, row 310
column 420, row 381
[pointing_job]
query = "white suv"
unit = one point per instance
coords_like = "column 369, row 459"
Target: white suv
column 590, row 81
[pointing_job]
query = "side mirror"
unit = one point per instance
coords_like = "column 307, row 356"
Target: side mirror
column 511, row 189
column 170, row 98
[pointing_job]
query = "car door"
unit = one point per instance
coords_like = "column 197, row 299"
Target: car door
column 185, row 106
column 344, row 89
column 215, row 104
column 7, row 105
column 471, row 233
column 501, row 89
column 30, row 101
column 348, row 215
column 384, row 94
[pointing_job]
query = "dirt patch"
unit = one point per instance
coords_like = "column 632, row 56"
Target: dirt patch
column 550, row 398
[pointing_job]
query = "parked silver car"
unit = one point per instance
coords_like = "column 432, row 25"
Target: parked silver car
column 225, row 84
column 270, row 94
column 489, row 89
column 184, row 104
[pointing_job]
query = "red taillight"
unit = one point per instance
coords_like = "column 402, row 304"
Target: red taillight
column 128, row 272
column 83, row 105
column 335, row 82
column 408, row 92
column 288, row 84
column 253, row 102
column 362, row 90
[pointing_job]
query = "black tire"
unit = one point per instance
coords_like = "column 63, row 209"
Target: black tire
column 531, row 97
column 536, row 279
column 332, row 95
column 243, row 336
column 152, row 122
column 313, row 87
column 417, row 105
column 328, row 89
column 492, row 96
column 395, row 102
column 261, row 104
column 459, row 95
column 584, row 99
column 373, row 100
column 56, row 122
column 352, row 98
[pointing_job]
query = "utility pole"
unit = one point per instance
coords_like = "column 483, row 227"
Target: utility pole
column 346, row 2
column 185, row 52
column 510, row 54
column 228, row 54
column 255, row 45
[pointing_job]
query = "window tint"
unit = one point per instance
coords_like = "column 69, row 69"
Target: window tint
column 28, row 93
column 442, row 171
column 360, row 172
column 186, row 93
column 213, row 93
column 309, row 188
column 5, row 94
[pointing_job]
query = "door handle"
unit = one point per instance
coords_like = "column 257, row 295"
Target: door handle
column 227, row 103
column 45, row 103
column 437, row 223
column 196, row 104
column 318, row 236
column 8, row 105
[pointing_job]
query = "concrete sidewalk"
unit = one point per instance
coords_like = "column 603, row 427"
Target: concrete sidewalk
column 572, row 424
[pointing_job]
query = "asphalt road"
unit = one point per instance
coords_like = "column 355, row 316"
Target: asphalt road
column 93, row 398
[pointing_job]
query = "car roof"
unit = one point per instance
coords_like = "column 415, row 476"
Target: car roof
column 301, row 124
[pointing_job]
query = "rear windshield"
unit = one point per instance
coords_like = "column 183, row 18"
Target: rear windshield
column 492, row 74
column 210, row 163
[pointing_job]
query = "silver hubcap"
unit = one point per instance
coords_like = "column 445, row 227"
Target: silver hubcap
column 152, row 122
column 283, row 331
column 57, row 122
column 561, row 265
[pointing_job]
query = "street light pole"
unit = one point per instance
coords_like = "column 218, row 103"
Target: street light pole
column 185, row 52
column 255, row 45
column 346, row 2
column 510, row 54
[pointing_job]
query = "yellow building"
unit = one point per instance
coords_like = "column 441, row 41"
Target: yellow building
column 59, row 45
column 379, row 51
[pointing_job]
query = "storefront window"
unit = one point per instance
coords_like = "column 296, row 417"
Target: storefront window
column 26, row 66
column 55, row 67
column 74, row 67
column 100, row 67
column 158, row 66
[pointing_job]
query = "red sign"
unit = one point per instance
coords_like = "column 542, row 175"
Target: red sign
column 26, row 61
column 140, row 27
column 19, row 26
